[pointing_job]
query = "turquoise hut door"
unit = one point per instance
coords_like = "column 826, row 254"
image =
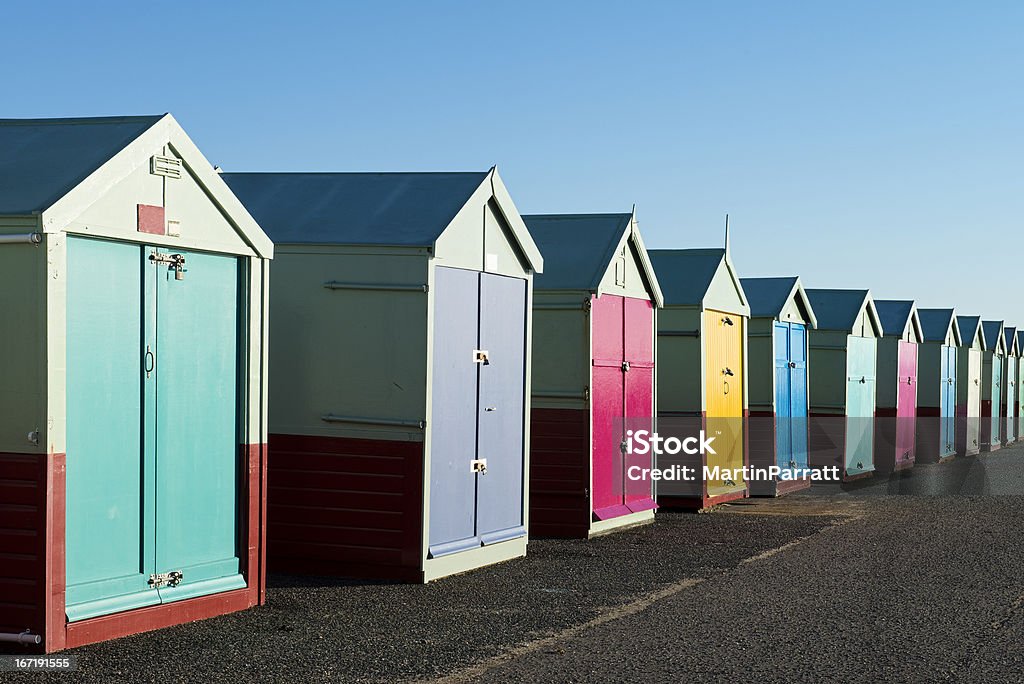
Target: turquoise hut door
column 997, row 394
column 860, row 405
column 152, row 444
column 197, row 444
column 1011, row 399
column 947, row 401
column 798, row 394
column 109, row 522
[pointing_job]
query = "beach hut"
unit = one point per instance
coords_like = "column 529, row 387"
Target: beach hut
column 968, row 386
column 399, row 385
column 843, row 351
column 126, row 264
column 701, row 376
column 896, row 384
column 937, row 386
column 780, row 316
column 593, row 374
column 992, row 386
column 1009, row 400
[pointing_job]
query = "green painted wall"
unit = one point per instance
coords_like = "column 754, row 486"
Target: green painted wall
column 827, row 358
column 761, row 372
column 679, row 368
column 561, row 349
column 23, row 278
column 347, row 352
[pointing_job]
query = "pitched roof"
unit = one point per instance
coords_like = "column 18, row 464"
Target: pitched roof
column 579, row 248
column 936, row 323
column 394, row 209
column 768, row 296
column 970, row 324
column 686, row 274
column 993, row 331
column 1020, row 340
column 894, row 314
column 41, row 160
column 838, row 309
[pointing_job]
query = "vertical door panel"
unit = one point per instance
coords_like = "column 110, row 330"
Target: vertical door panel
column 996, row 397
column 639, row 395
column 798, row 395
column 108, row 561
column 453, row 422
column 783, row 396
column 973, row 398
column 607, row 406
column 860, row 409
column 197, row 436
column 947, row 433
column 1011, row 398
column 724, row 393
column 906, row 401
column 501, row 408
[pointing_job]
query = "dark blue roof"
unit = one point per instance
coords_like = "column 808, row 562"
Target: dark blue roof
column 993, row 333
column 41, row 160
column 685, row 274
column 577, row 248
column 836, row 309
column 934, row 323
column 968, row 327
column 400, row 209
column 894, row 314
column 767, row 296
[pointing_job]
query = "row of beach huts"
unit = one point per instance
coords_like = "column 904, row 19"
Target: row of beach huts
column 422, row 380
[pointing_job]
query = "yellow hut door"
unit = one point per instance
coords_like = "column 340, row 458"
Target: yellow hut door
column 723, row 334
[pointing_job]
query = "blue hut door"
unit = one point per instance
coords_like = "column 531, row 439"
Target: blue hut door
column 798, row 394
column 152, row 406
column 196, row 418
column 783, row 397
column 860, row 405
column 947, row 401
column 452, row 517
column 791, row 396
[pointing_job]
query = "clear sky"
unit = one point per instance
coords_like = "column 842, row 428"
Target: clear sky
column 855, row 143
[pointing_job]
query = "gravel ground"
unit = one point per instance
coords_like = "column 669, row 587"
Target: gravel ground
column 856, row 584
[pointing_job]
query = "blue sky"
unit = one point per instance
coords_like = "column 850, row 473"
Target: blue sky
column 854, row 143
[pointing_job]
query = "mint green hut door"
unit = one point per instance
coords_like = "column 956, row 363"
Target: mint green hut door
column 152, row 426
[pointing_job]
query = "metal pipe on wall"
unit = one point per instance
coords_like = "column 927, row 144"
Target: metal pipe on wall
column 26, row 638
column 21, row 239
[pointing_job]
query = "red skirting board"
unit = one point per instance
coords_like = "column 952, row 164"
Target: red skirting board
column 32, row 545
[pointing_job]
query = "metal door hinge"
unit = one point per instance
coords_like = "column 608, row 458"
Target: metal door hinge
column 625, row 366
column 175, row 261
column 166, row 579
column 478, row 465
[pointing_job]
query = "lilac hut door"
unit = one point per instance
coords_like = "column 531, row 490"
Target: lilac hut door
column 906, row 402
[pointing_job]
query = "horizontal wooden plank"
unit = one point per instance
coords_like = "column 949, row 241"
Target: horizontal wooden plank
column 335, row 517
column 334, row 498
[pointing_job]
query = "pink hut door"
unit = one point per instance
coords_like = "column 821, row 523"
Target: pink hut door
column 906, row 403
column 639, row 390
column 607, row 405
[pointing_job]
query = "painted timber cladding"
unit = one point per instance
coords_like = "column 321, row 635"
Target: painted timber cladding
column 991, row 423
column 593, row 374
column 968, row 387
column 389, row 290
column 701, row 374
column 1020, row 385
column 842, row 387
column 897, row 385
column 89, row 325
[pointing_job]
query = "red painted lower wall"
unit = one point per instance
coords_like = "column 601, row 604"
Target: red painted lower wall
column 338, row 506
column 32, row 560
column 560, row 452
